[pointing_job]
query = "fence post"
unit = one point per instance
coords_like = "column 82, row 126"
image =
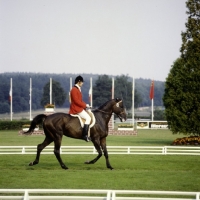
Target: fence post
column 197, row 196
column 164, row 150
column 23, row 150
column 108, row 195
column 94, row 150
column 113, row 195
column 128, row 150
column 26, row 196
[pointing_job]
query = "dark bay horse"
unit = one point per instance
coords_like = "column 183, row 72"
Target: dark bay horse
column 59, row 124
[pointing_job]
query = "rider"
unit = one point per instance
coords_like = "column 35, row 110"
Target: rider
column 78, row 106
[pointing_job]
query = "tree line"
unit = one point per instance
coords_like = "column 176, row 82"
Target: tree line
column 102, row 86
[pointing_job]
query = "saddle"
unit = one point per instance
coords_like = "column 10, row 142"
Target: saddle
column 82, row 121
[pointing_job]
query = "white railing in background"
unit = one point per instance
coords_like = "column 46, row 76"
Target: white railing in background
column 81, row 194
column 159, row 150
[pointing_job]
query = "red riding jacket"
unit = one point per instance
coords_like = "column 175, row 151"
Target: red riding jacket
column 77, row 104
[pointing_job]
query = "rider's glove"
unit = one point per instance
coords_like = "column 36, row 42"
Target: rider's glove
column 87, row 106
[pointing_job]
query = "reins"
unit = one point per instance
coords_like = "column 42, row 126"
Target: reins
column 104, row 111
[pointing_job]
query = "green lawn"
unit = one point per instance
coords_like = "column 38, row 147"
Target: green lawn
column 144, row 138
column 131, row 172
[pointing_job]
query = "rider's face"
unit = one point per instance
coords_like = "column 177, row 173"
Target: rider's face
column 80, row 84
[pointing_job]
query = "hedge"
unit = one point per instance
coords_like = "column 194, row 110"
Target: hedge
column 13, row 125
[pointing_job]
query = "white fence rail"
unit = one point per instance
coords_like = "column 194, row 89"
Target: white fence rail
column 159, row 150
column 77, row 194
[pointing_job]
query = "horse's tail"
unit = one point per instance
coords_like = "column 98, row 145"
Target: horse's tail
column 37, row 120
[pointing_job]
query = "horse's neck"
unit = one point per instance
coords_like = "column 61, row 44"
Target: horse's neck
column 105, row 114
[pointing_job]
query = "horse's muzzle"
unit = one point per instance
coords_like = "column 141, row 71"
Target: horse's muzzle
column 122, row 118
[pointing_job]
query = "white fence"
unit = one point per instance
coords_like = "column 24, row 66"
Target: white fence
column 77, row 194
column 156, row 150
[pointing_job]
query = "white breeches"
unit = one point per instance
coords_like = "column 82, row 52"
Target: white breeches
column 83, row 114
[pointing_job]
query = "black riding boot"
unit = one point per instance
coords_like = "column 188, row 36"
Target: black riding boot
column 85, row 133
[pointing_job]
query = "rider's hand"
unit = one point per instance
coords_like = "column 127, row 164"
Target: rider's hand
column 87, row 106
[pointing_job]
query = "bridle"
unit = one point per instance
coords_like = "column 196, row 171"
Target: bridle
column 117, row 105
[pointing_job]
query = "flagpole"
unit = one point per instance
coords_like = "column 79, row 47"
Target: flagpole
column 91, row 99
column 30, row 101
column 70, row 83
column 133, row 100
column 152, row 115
column 113, row 96
column 11, row 97
column 50, row 93
column 113, row 86
column 70, row 87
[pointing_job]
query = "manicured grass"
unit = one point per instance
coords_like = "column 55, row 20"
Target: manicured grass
column 144, row 138
column 131, row 172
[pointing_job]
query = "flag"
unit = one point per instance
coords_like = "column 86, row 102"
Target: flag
column 90, row 95
column 69, row 98
column 10, row 95
column 151, row 93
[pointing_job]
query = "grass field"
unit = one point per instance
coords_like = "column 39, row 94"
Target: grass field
column 131, row 172
column 144, row 138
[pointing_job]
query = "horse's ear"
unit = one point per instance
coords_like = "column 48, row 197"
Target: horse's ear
column 117, row 99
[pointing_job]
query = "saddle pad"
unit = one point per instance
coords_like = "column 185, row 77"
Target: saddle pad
column 82, row 121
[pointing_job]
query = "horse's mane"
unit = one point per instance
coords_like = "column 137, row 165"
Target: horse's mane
column 105, row 104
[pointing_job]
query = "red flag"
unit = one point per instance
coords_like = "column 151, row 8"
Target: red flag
column 10, row 95
column 69, row 98
column 151, row 93
column 90, row 95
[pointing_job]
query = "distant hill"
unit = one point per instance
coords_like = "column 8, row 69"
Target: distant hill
column 21, row 85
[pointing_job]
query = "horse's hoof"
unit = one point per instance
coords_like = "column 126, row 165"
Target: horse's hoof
column 64, row 167
column 33, row 163
column 87, row 162
column 110, row 168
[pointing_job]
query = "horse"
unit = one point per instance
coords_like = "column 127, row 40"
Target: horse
column 58, row 124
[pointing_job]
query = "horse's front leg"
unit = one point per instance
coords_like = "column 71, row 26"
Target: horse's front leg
column 104, row 148
column 98, row 148
column 57, row 153
column 40, row 147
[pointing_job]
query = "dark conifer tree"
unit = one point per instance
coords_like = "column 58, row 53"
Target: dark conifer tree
column 182, row 89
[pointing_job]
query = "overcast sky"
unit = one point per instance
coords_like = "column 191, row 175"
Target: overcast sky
column 139, row 38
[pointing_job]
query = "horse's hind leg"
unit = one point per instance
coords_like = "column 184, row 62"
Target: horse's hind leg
column 40, row 147
column 57, row 153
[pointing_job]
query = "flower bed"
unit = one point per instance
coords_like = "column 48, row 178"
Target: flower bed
column 49, row 105
column 192, row 140
column 124, row 127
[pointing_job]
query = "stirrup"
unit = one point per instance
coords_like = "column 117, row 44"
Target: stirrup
column 86, row 138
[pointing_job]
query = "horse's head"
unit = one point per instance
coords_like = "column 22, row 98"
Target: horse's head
column 119, row 109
